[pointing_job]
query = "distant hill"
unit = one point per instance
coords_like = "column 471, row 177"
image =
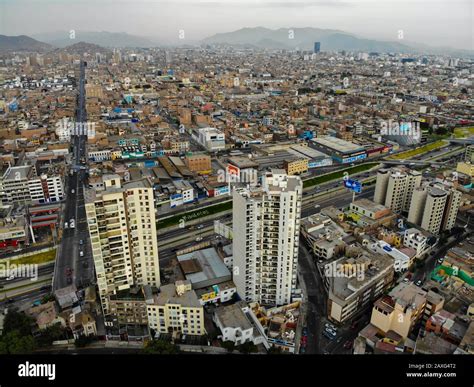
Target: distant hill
column 101, row 38
column 304, row 38
column 22, row 43
column 83, row 47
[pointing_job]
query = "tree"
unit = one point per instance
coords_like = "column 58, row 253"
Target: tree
column 14, row 343
column 161, row 347
column 247, row 348
column 83, row 341
column 50, row 334
column 274, row 350
column 16, row 321
column 229, row 345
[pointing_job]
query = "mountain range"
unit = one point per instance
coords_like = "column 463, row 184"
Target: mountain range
column 258, row 37
column 22, row 43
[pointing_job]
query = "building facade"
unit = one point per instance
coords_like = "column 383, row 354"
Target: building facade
column 266, row 222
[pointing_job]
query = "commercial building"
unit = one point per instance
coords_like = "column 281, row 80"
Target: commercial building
column 122, row 229
column 211, row 138
column 341, row 151
column 199, row 163
column 266, row 223
column 208, row 275
column 296, row 166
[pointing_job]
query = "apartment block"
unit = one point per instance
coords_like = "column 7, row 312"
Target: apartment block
column 122, row 229
column 434, row 207
column 176, row 309
column 266, row 224
column 355, row 282
column 394, row 188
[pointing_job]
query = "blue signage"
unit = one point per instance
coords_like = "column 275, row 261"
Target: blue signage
column 353, row 185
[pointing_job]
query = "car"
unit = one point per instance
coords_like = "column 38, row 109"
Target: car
column 317, row 206
column 72, row 191
column 81, row 242
column 304, row 332
column 66, row 225
column 199, row 239
column 200, row 226
column 72, row 223
column 11, row 277
column 406, row 280
column 348, row 344
column 330, row 331
column 440, row 260
column 81, row 253
column 329, row 335
column 330, row 326
column 418, row 283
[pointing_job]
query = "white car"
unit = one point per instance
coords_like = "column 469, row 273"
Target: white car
column 72, row 191
column 72, row 223
column 81, row 253
column 66, row 225
column 12, row 277
column 199, row 239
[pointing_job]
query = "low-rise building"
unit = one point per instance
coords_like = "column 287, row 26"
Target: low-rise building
column 176, row 309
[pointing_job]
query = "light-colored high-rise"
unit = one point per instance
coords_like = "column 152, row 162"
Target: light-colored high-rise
column 394, row 188
column 266, row 225
column 434, row 207
column 122, row 230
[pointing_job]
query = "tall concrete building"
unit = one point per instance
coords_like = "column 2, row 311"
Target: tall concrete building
column 434, row 207
column 266, row 225
column 469, row 154
column 122, row 228
column 394, row 188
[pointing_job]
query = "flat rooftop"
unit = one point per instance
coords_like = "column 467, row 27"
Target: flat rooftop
column 337, row 144
column 204, row 268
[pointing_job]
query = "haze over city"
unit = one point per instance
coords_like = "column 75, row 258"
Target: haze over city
column 436, row 23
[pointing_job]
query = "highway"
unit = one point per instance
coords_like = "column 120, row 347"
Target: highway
column 69, row 249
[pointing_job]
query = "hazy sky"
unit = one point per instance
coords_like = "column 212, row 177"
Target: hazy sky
column 435, row 22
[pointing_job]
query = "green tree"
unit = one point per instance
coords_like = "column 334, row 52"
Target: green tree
column 274, row 350
column 247, row 348
column 14, row 343
column 16, row 321
column 50, row 334
column 161, row 347
column 229, row 345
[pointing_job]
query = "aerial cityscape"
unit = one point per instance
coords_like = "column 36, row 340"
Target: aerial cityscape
column 261, row 189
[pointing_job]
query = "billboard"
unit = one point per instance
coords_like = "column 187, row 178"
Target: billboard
column 353, row 185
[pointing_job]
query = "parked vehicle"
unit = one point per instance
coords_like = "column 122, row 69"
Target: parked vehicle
column 329, row 335
column 418, row 283
column 348, row 344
